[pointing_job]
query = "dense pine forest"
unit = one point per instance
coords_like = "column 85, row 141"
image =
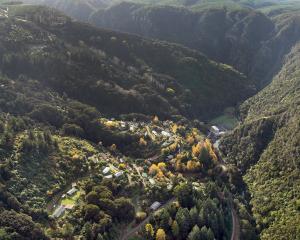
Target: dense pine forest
column 148, row 119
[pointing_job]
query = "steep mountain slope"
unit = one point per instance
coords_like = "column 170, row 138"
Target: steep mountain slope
column 246, row 39
column 117, row 73
column 78, row 9
column 266, row 146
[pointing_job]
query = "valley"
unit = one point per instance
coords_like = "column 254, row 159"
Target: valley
column 156, row 120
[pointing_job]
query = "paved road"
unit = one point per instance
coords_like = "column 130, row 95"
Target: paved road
column 235, row 234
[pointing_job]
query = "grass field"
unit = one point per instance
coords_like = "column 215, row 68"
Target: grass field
column 226, row 121
column 71, row 200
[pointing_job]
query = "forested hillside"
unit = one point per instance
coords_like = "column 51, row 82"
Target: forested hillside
column 108, row 134
column 266, row 147
column 78, row 9
column 117, row 73
column 244, row 38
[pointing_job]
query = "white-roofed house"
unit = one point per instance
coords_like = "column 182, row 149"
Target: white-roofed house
column 215, row 130
column 152, row 181
column 72, row 191
column 106, row 170
column 155, row 206
column 119, row 174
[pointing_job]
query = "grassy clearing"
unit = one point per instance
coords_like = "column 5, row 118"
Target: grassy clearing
column 227, row 121
column 72, row 199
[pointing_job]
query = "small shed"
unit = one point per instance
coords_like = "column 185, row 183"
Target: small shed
column 155, row 206
column 106, row 170
column 145, row 175
column 72, row 191
column 215, row 130
column 59, row 211
column 154, row 132
column 152, row 181
column 119, row 174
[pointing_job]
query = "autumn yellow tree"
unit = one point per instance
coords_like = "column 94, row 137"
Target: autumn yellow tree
column 209, row 148
column 113, row 147
column 196, row 149
column 160, row 234
column 193, row 166
column 173, row 147
column 160, row 175
column 153, row 170
column 142, row 142
column 122, row 166
column 178, row 166
column 149, row 232
column 174, row 128
column 155, row 119
column 162, row 166
column 190, row 139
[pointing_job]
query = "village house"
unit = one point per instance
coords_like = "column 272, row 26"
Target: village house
column 215, row 130
column 154, row 133
column 59, row 212
column 72, row 191
column 106, row 170
column 119, row 174
column 145, row 175
column 152, row 181
column 155, row 206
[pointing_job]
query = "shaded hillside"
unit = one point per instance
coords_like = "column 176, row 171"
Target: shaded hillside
column 117, row 73
column 78, row 9
column 246, row 39
column 266, row 147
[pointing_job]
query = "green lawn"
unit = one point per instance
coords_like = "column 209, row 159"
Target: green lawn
column 71, row 200
column 226, row 121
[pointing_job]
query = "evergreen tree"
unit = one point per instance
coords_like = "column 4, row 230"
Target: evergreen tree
column 164, row 219
column 184, row 221
column 184, row 193
column 204, row 233
column 210, row 235
column 195, row 233
column 194, row 215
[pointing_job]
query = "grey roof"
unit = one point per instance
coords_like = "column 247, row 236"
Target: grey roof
column 59, row 211
column 155, row 205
